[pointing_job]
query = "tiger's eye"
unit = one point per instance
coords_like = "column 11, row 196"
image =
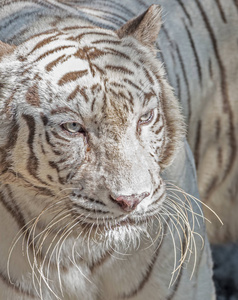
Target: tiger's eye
column 146, row 118
column 73, row 127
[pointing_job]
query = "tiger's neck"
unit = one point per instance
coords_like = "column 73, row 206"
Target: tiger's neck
column 52, row 226
column 30, row 247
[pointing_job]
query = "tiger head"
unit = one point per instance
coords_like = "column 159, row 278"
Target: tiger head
column 88, row 120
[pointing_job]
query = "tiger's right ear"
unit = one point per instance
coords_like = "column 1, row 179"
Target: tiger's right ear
column 145, row 28
column 6, row 49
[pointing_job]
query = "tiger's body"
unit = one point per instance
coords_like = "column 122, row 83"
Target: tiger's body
column 72, row 196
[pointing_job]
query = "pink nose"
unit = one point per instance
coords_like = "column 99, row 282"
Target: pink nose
column 129, row 203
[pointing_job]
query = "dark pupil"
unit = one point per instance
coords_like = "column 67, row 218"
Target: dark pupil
column 74, row 124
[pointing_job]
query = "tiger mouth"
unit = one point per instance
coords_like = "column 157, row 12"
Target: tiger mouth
column 93, row 228
column 113, row 222
column 102, row 210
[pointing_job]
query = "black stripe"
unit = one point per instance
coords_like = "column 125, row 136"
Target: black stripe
column 93, row 102
column 218, row 128
column 118, row 6
column 132, row 84
column 112, row 4
column 154, row 204
column 81, row 35
column 197, row 143
column 178, row 88
column 12, row 207
column 148, row 76
column 94, row 210
column 236, row 4
column 5, row 163
column 148, row 272
column 177, row 283
column 93, row 200
column 194, row 53
column 159, row 129
column 117, row 53
column 142, row 3
column 47, row 40
column 57, row 136
column 47, row 138
column 185, row 80
column 100, row 262
column 44, row 119
column 57, row 49
column 176, row 286
column 54, row 165
column 59, row 60
column 50, row 31
column 218, row 57
column 224, row 89
column 210, row 68
column 160, row 54
column 115, row 17
column 103, row 41
column 44, row 191
column 221, row 11
column 32, row 162
column 114, row 21
column 210, row 187
column 174, row 45
column 14, row 18
column 185, row 11
column 19, row 33
column 119, row 69
column 17, row 289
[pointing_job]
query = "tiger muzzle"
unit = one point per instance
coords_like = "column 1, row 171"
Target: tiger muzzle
column 129, row 203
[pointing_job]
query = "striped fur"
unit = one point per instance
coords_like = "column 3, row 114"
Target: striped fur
column 79, row 62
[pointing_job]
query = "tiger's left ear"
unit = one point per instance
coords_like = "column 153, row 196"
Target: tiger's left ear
column 145, row 28
column 6, row 49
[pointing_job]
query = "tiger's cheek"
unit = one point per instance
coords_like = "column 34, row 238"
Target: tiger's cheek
column 153, row 138
column 44, row 157
column 63, row 159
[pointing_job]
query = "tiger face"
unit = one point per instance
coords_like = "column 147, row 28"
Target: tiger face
column 89, row 116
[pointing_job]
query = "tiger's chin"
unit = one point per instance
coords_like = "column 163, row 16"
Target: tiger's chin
column 125, row 227
column 117, row 234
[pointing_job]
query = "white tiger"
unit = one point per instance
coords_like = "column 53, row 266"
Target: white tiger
column 92, row 152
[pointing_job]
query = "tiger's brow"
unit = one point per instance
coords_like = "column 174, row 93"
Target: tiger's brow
column 62, row 110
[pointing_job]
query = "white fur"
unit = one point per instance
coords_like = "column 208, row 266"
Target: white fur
column 114, row 158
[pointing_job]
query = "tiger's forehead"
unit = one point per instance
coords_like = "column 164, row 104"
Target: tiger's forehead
column 88, row 65
column 72, row 53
